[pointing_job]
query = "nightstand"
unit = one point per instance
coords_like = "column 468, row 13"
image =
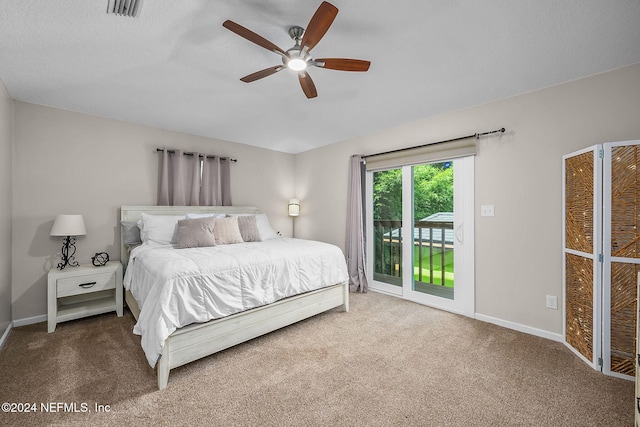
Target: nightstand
column 83, row 291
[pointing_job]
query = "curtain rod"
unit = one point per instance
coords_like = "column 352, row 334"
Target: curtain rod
column 200, row 155
column 475, row 135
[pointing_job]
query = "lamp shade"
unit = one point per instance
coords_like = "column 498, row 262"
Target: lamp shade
column 294, row 207
column 68, row 225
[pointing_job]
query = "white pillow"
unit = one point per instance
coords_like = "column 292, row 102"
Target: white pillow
column 205, row 215
column 159, row 229
column 264, row 228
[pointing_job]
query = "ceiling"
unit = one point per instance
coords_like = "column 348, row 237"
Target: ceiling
column 175, row 67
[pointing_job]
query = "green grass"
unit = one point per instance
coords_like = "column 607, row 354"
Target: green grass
column 437, row 267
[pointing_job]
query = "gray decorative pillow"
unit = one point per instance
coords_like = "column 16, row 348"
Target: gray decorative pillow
column 196, row 233
column 249, row 228
column 131, row 233
column 227, row 231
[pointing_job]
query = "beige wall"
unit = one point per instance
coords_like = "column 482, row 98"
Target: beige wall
column 518, row 252
column 76, row 163
column 6, row 143
column 68, row 162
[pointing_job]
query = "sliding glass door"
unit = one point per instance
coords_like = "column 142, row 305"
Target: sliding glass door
column 419, row 217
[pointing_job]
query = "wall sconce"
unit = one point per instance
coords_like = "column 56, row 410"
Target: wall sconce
column 68, row 226
column 294, row 207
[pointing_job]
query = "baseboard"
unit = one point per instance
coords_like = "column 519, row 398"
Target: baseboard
column 521, row 328
column 4, row 337
column 500, row 322
column 30, row 320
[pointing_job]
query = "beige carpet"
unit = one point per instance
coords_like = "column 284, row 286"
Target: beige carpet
column 387, row 362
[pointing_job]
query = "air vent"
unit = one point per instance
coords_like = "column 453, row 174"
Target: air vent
column 129, row 8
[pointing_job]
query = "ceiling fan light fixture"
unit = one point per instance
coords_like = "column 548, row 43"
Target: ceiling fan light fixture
column 297, row 64
column 298, row 58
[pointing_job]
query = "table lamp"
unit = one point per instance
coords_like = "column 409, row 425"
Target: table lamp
column 68, row 226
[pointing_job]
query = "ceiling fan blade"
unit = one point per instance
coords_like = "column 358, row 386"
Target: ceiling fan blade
column 319, row 24
column 262, row 74
column 344, row 64
column 251, row 36
column 308, row 87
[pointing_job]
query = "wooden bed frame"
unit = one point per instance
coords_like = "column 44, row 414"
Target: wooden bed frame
column 202, row 339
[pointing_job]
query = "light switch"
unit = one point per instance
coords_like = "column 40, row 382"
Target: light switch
column 486, row 210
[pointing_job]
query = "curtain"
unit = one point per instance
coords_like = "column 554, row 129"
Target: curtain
column 179, row 179
column 210, row 192
column 191, row 179
column 356, row 239
column 225, row 181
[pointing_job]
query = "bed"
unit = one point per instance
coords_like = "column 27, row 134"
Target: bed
column 175, row 332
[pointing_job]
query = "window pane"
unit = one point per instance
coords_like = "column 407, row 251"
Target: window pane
column 387, row 226
column 433, row 229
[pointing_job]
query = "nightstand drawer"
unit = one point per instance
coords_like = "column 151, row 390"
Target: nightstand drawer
column 85, row 284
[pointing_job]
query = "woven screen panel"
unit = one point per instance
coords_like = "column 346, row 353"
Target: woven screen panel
column 623, row 317
column 625, row 198
column 579, row 304
column 579, row 193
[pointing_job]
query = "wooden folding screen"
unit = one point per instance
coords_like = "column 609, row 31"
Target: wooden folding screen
column 581, row 254
column 621, row 255
column 602, row 254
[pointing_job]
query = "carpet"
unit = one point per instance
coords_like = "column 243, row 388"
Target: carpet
column 387, row 362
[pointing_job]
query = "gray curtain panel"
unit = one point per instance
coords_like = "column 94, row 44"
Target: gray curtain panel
column 179, row 179
column 225, row 181
column 211, row 194
column 163, row 184
column 193, row 180
column 355, row 245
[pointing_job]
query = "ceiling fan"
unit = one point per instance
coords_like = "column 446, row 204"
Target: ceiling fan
column 298, row 57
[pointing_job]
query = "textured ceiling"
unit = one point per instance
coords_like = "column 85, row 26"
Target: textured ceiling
column 176, row 67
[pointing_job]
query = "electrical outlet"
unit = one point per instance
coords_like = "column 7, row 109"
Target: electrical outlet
column 486, row 210
column 552, row 302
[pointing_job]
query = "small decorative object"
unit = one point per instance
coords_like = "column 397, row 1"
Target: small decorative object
column 100, row 259
column 68, row 226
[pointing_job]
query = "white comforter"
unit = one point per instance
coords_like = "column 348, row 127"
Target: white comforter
column 177, row 287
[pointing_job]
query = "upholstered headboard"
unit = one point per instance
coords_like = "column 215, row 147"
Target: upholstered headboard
column 134, row 213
